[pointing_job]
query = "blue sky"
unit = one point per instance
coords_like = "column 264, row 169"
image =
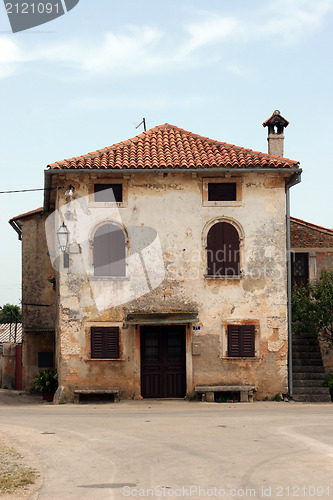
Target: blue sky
column 217, row 68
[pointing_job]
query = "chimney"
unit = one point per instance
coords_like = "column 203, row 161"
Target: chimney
column 276, row 125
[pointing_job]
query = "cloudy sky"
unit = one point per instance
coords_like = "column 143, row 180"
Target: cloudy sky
column 215, row 67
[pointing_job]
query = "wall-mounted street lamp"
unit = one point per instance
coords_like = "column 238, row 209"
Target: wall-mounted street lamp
column 63, row 237
column 70, row 190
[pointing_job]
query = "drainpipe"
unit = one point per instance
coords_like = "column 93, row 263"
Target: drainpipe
column 295, row 179
column 16, row 227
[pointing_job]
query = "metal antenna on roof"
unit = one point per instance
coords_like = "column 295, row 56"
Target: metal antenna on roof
column 144, row 124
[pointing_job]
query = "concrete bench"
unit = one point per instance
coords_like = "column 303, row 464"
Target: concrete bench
column 207, row 391
column 95, row 392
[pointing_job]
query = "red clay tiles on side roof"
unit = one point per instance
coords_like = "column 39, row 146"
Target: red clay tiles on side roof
column 170, row 147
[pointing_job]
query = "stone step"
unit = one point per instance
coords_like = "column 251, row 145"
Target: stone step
column 308, row 369
column 312, row 398
column 304, row 335
column 306, row 344
column 306, row 382
column 307, row 356
column 298, row 362
column 311, row 390
column 299, row 376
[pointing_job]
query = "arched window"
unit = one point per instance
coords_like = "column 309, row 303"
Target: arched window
column 109, row 251
column 223, row 250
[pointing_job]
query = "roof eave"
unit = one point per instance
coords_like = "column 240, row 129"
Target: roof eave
column 167, row 169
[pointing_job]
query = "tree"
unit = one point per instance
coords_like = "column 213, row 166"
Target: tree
column 312, row 308
column 10, row 313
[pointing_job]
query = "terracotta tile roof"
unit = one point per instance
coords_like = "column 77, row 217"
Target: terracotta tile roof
column 28, row 214
column 307, row 235
column 170, row 147
column 310, row 224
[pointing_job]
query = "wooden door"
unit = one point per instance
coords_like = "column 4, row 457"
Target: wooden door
column 163, row 363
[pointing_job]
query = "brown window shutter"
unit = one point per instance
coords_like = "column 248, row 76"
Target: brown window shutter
column 241, row 340
column 247, row 340
column 231, row 250
column 233, row 340
column 112, row 342
column 215, row 250
column 96, row 342
column 105, row 342
column 223, row 250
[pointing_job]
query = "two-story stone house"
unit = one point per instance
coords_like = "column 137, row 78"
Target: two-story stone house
column 174, row 273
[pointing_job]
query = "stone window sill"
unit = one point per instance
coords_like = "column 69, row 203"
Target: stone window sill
column 243, row 358
column 109, row 278
column 219, row 277
column 105, row 359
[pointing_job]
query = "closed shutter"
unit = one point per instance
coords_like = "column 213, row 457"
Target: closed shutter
column 105, row 342
column 231, row 250
column 233, row 340
column 223, row 250
column 247, row 340
column 241, row 340
column 215, row 250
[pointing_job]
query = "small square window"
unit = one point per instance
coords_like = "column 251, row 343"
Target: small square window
column 45, row 360
column 108, row 193
column 220, row 191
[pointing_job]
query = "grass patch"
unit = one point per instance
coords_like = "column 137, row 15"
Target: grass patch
column 13, row 473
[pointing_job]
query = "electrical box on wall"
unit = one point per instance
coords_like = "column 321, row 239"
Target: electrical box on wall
column 196, row 347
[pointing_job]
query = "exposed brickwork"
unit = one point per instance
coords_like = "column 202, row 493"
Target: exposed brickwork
column 306, row 235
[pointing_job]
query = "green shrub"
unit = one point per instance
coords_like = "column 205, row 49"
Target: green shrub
column 328, row 382
column 46, row 381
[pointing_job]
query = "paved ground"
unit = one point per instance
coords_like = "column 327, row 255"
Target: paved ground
column 175, row 449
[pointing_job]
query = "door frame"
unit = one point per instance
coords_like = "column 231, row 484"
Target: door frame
column 188, row 355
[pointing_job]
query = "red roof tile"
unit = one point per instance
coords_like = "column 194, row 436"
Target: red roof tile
column 310, row 224
column 306, row 235
column 170, row 147
column 28, row 214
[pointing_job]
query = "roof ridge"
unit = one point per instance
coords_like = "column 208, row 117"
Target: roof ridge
column 315, row 226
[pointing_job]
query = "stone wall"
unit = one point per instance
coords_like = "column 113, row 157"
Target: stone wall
column 38, row 296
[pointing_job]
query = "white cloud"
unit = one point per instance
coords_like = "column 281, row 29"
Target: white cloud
column 147, row 49
column 10, row 55
column 292, row 20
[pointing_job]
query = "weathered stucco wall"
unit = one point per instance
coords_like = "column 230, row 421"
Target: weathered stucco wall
column 172, row 204
column 38, row 297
